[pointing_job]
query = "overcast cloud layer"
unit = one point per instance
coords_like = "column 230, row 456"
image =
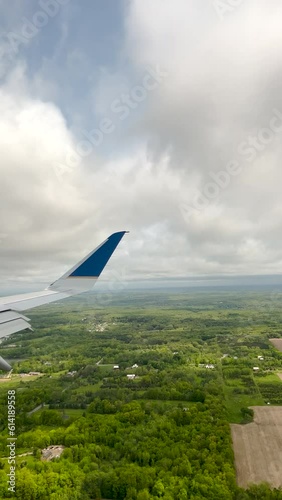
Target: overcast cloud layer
column 182, row 102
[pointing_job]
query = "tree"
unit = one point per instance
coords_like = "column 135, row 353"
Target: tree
column 158, row 489
column 143, row 495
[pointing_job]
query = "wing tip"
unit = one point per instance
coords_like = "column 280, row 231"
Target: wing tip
column 90, row 267
column 119, row 233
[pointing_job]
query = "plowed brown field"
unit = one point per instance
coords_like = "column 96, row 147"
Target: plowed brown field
column 258, row 447
column 277, row 343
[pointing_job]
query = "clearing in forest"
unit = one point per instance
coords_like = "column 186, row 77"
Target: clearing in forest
column 277, row 343
column 258, row 447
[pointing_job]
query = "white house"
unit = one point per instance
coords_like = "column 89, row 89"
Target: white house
column 130, row 376
column 134, row 366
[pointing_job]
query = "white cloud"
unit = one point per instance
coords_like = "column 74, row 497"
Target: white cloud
column 222, row 86
column 39, row 215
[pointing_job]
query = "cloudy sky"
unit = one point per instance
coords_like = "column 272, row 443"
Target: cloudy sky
column 158, row 117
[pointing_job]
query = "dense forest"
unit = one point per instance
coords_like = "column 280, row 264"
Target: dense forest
column 140, row 393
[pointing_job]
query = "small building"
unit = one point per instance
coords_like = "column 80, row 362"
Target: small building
column 116, row 367
column 134, row 366
column 261, row 358
column 51, row 452
column 130, row 376
column 210, row 367
column 256, row 368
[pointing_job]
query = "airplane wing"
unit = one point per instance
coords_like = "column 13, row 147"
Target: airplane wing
column 80, row 278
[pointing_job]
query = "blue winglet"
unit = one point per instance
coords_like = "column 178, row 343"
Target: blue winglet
column 95, row 263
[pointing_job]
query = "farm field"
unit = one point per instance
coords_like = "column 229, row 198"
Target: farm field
column 258, row 448
column 277, row 343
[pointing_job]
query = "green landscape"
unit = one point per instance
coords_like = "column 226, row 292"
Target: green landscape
column 140, row 393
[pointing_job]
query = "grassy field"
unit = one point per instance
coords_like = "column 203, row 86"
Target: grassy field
column 234, row 403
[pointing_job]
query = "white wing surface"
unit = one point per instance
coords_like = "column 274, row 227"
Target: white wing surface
column 81, row 278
